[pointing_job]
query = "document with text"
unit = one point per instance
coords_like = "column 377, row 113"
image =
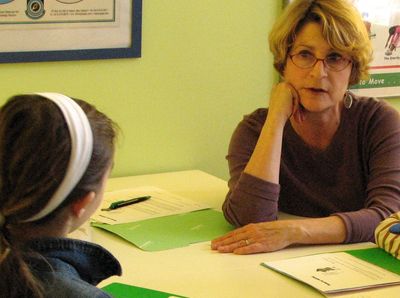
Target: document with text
column 335, row 272
column 161, row 203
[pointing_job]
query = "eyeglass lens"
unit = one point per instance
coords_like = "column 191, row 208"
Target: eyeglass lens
column 307, row 60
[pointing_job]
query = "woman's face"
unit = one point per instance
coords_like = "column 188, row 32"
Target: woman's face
column 320, row 88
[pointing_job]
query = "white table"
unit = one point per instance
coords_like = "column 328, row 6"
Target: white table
column 196, row 270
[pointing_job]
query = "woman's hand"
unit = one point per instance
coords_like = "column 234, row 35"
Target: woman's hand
column 284, row 103
column 259, row 237
column 276, row 235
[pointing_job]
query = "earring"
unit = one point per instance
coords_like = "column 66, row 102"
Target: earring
column 348, row 100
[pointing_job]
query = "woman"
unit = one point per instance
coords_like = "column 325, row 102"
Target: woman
column 55, row 156
column 319, row 151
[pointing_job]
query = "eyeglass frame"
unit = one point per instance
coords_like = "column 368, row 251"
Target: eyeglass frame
column 319, row 59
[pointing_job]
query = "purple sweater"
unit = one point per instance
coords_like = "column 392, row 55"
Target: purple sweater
column 357, row 177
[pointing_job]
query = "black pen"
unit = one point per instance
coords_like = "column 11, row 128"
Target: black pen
column 119, row 204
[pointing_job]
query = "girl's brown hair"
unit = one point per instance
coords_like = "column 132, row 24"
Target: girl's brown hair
column 35, row 147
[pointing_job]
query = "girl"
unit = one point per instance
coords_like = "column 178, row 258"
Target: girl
column 55, row 156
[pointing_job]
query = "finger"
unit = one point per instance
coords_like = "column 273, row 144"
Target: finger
column 258, row 246
column 302, row 112
column 298, row 109
column 221, row 238
column 293, row 90
column 232, row 247
column 224, row 240
column 295, row 113
column 236, row 235
column 253, row 248
column 298, row 112
column 233, row 240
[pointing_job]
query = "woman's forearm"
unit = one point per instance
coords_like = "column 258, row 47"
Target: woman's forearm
column 265, row 160
column 321, row 231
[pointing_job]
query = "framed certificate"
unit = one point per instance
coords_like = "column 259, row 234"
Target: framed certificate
column 56, row 30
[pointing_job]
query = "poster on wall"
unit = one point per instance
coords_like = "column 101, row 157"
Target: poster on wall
column 49, row 30
column 382, row 20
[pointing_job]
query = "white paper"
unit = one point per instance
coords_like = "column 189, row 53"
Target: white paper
column 161, row 203
column 334, row 272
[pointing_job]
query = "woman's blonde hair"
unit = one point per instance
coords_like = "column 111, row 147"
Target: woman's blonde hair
column 342, row 27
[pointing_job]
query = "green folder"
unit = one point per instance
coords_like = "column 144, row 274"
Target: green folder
column 172, row 231
column 118, row 290
column 378, row 257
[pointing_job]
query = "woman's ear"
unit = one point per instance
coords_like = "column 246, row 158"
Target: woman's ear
column 79, row 206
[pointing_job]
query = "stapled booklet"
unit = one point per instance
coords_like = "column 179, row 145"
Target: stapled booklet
column 338, row 272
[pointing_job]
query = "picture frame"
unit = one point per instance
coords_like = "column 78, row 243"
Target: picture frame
column 61, row 30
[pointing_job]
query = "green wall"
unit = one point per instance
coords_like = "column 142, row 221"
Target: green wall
column 204, row 64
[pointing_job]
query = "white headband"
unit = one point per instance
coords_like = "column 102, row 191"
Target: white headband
column 81, row 150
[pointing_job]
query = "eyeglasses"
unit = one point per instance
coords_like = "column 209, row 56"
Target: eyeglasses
column 333, row 61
